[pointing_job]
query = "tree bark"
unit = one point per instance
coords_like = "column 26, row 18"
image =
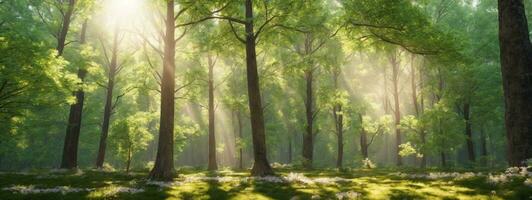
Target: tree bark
column 363, row 140
column 70, row 148
column 261, row 166
column 308, row 138
column 516, row 67
column 128, row 163
column 108, row 101
column 339, row 123
column 484, row 146
column 468, row 132
column 240, row 149
column 289, row 150
column 212, row 137
column 397, row 111
column 164, row 162
column 340, row 135
column 61, row 38
column 418, row 109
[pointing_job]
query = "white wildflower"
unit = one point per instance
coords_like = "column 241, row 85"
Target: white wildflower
column 31, row 189
column 162, row 183
column 528, row 182
column 348, row 195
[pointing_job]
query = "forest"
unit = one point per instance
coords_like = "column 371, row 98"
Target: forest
column 265, row 99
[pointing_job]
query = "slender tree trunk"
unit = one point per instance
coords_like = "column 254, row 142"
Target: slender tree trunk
column 484, row 148
column 386, row 109
column 438, row 98
column 397, row 111
column 468, row 132
column 108, row 101
column 128, row 164
column 423, row 133
column 363, row 140
column 308, row 137
column 240, row 149
column 261, row 166
column 70, row 148
column 423, row 163
column 339, row 118
column 339, row 123
column 516, row 66
column 443, row 159
column 61, row 39
column 418, row 110
column 289, row 150
column 164, row 162
column 212, row 137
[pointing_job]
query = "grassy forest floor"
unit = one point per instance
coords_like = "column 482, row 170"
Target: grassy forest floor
column 288, row 184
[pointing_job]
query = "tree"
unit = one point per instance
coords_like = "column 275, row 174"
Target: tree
column 114, row 68
column 164, row 162
column 516, row 62
column 131, row 135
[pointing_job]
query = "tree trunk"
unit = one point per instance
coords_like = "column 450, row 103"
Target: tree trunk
column 261, row 166
column 240, row 149
column 164, row 162
column 516, row 66
column 418, row 109
column 128, row 164
column 386, row 109
column 423, row 163
column 212, row 137
column 423, row 133
column 108, row 101
column 363, row 140
column 468, row 132
column 340, row 135
column 61, row 39
column 70, row 148
column 484, row 148
column 289, row 150
column 308, row 138
column 443, row 159
column 397, row 111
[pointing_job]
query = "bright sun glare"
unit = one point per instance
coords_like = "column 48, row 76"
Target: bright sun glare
column 122, row 10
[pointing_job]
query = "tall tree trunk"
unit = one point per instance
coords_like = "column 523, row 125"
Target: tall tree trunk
column 308, row 137
column 338, row 117
column 164, row 162
column 417, row 109
column 65, row 27
column 212, row 137
column 108, row 101
column 363, row 140
column 397, row 111
column 261, row 166
column 516, row 66
column 70, row 148
column 468, row 132
column 423, row 133
column 438, row 97
column 386, row 109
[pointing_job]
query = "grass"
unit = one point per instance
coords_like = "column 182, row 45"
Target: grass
column 367, row 184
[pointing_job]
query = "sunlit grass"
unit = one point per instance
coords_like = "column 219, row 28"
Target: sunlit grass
column 369, row 184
